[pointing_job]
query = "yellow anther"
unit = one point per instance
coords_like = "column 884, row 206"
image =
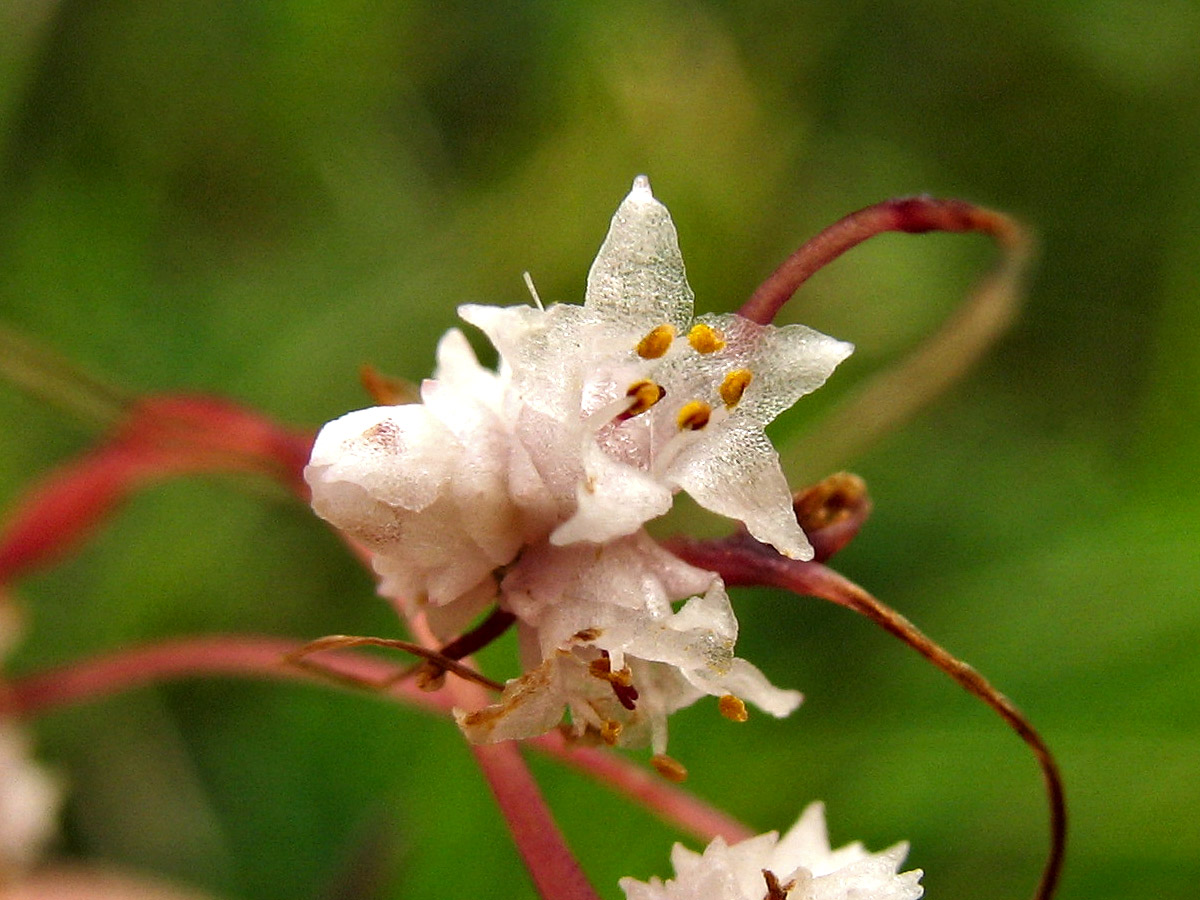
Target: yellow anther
column 610, row 732
column 733, row 708
column 734, row 385
column 670, row 769
column 694, row 415
column 644, row 394
column 656, row 343
column 705, row 339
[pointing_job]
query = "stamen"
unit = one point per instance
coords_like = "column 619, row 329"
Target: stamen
column 656, row 343
column 645, row 394
column 734, row 385
column 610, row 732
column 537, row 301
column 620, row 680
column 733, row 708
column 670, row 769
column 705, row 339
column 694, row 415
column 775, row 890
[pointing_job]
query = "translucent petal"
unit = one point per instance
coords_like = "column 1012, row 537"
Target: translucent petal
column 548, row 352
column 805, row 844
column 529, row 706
column 612, row 500
column 637, row 279
column 786, row 363
column 735, row 872
column 746, row 682
column 459, row 369
column 735, row 471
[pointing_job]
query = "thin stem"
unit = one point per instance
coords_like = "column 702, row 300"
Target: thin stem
column 555, row 871
column 844, row 592
column 895, row 394
column 235, row 655
column 911, row 215
column 345, row 642
column 496, row 623
column 740, row 560
column 674, row 805
column 263, row 657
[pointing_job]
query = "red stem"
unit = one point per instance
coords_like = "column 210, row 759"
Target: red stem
column 255, row 657
column 263, row 657
column 740, row 560
column 911, row 215
column 555, row 871
column 681, row 809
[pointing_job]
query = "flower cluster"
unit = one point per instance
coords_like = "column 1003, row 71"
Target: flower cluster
column 798, row 866
column 529, row 487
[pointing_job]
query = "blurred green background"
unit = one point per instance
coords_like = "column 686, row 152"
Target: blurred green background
column 252, row 198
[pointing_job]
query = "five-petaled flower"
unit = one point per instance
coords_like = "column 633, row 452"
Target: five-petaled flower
column 530, row 486
column 798, row 866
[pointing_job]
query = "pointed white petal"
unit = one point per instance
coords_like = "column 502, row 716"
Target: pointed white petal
column 735, row 472
column 638, row 277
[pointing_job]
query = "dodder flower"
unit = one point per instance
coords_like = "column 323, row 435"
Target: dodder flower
column 643, row 400
column 798, row 866
column 529, row 486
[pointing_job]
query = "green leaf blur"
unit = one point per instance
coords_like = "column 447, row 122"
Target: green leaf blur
column 253, row 198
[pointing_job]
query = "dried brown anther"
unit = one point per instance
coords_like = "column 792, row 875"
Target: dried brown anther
column 610, row 732
column 776, row 891
column 832, row 511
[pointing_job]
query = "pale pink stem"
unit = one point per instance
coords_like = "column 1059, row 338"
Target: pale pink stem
column 555, row 871
column 256, row 657
column 912, row 215
column 741, row 560
column 262, row 657
column 681, row 809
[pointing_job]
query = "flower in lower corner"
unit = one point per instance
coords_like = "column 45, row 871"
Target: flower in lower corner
column 30, row 795
column 798, row 866
column 528, row 487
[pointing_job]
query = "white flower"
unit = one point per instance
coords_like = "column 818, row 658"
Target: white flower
column 30, row 796
column 529, row 486
column 29, row 801
column 627, row 399
column 801, row 865
column 438, row 490
column 601, row 639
